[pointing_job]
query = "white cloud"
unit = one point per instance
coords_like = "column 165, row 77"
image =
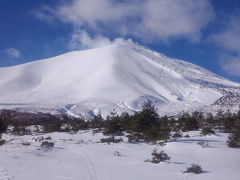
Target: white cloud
column 166, row 19
column 147, row 20
column 229, row 41
column 229, row 37
column 91, row 12
column 82, row 40
column 12, row 53
column 46, row 13
column 230, row 63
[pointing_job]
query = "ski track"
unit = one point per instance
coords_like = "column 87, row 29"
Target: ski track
column 79, row 157
column 83, row 165
column 4, row 175
column 90, row 167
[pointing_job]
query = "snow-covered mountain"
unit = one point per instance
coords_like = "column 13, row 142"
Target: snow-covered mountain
column 120, row 76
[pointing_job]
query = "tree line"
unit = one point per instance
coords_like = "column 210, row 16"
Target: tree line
column 145, row 125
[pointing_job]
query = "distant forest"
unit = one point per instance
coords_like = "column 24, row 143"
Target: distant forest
column 143, row 126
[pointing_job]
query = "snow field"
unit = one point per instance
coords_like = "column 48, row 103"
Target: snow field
column 79, row 156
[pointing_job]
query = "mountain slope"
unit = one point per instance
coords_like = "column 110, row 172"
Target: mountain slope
column 120, row 76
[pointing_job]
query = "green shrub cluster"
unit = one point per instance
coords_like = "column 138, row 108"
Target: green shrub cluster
column 194, row 168
column 158, row 157
column 144, row 125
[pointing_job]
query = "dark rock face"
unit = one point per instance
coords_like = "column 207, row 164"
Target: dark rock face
column 229, row 100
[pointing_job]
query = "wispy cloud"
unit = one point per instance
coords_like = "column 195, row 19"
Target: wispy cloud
column 9, row 56
column 230, row 63
column 11, row 53
column 80, row 39
column 46, row 13
column 228, row 40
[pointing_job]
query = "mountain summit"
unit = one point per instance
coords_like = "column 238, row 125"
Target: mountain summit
column 120, row 76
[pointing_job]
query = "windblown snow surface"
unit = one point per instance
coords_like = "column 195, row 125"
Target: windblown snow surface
column 120, row 76
column 79, row 157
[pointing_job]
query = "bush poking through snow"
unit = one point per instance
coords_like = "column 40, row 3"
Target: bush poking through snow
column 203, row 144
column 111, row 140
column 195, row 168
column 161, row 143
column 2, row 142
column 26, row 143
column 47, row 144
column 207, row 131
column 158, row 157
column 177, row 134
column 117, row 153
column 48, row 138
column 187, row 136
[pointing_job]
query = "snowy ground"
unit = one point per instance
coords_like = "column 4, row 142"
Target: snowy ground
column 80, row 157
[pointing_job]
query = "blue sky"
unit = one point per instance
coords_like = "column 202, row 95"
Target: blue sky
column 204, row 32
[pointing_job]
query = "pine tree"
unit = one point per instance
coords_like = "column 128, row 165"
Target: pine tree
column 188, row 123
column 220, row 119
column 3, row 127
column 145, row 119
column 234, row 138
column 228, row 122
column 113, row 125
column 97, row 120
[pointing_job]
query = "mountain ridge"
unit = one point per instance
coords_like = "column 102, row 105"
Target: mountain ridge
column 119, row 76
